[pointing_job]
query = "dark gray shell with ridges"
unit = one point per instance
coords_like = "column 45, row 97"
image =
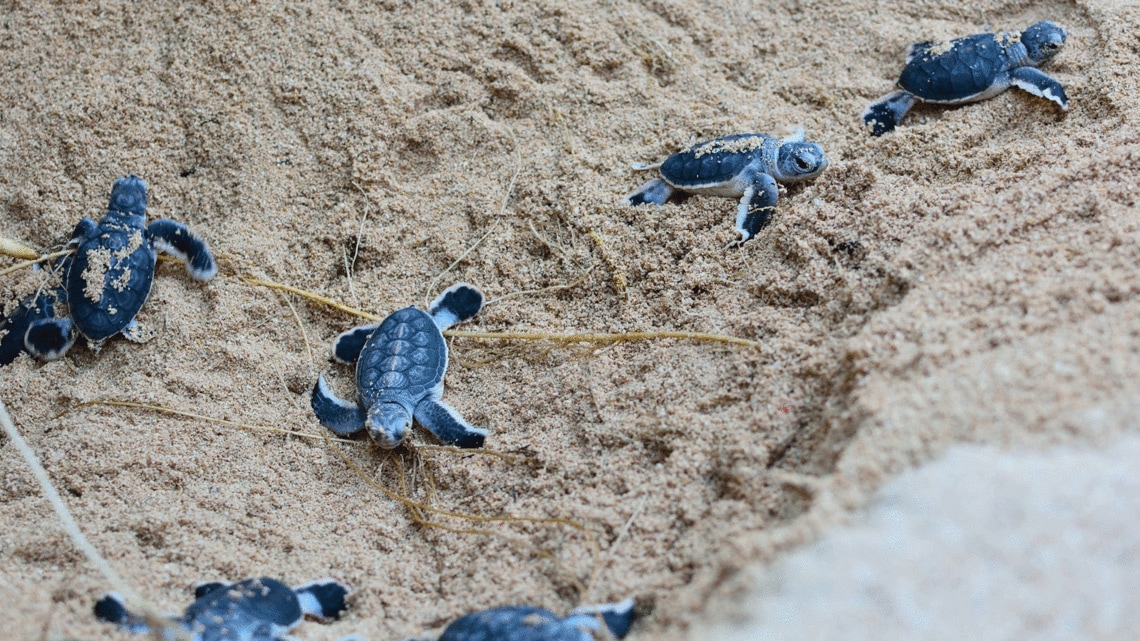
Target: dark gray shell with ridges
column 716, row 161
column 246, row 603
column 126, row 258
column 406, row 355
column 968, row 67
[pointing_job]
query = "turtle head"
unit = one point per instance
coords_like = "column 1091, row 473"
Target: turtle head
column 129, row 196
column 799, row 161
column 1043, row 40
column 388, row 424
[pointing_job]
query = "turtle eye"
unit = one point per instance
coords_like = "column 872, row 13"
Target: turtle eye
column 802, row 163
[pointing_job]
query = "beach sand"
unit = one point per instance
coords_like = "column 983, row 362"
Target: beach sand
column 970, row 277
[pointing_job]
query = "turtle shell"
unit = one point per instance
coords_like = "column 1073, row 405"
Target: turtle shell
column 716, row 161
column 253, row 606
column 110, row 277
column 402, row 360
column 511, row 623
column 958, row 70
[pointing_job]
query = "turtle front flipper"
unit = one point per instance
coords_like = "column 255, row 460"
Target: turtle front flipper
column 884, row 115
column 177, row 240
column 756, row 206
column 455, row 305
column 1038, row 83
column 447, row 425
column 324, row 599
column 340, row 416
column 113, row 609
column 84, row 229
column 347, row 346
column 618, row 617
column 654, row 192
column 49, row 339
column 798, row 134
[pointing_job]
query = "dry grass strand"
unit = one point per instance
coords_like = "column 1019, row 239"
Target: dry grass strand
column 35, row 261
column 245, row 427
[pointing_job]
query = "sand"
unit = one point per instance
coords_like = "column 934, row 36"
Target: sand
column 980, row 544
column 968, row 278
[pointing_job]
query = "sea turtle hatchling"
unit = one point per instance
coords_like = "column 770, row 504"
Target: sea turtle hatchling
column 20, row 328
column 110, row 276
column 400, row 364
column 14, row 328
column 251, row 610
column 526, row 623
column 970, row 69
column 744, row 166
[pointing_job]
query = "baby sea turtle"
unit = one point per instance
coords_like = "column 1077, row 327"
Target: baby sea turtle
column 14, row 328
column 400, row 364
column 971, row 69
column 110, row 276
column 744, row 166
column 252, row 610
column 21, row 327
column 524, row 623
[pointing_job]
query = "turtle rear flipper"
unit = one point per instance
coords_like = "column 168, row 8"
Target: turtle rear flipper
column 798, row 134
column 884, row 115
column 323, row 599
column 113, row 609
column 338, row 415
column 49, row 339
column 136, row 332
column 177, row 240
column 347, row 347
column 654, row 192
column 618, row 617
column 641, row 166
column 919, row 48
column 455, row 305
column 447, row 425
